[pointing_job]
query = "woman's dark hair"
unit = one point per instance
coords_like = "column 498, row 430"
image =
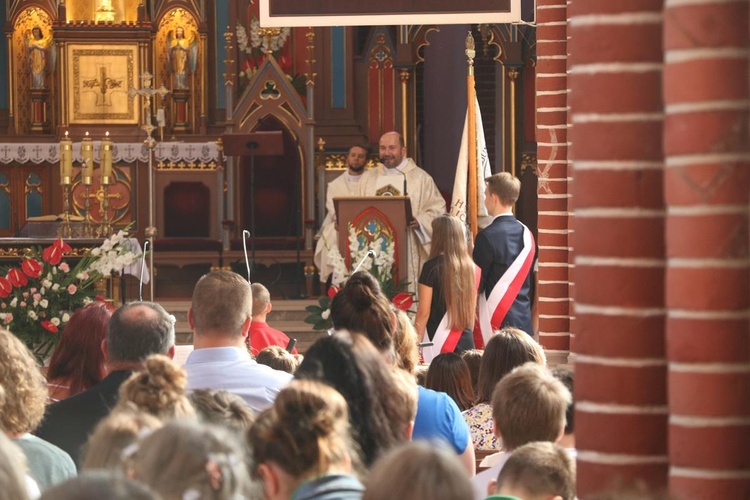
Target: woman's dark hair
column 79, row 356
column 506, row 349
column 448, row 373
column 361, row 307
column 359, row 373
column 473, row 358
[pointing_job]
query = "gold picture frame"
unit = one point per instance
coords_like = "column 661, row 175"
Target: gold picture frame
column 98, row 83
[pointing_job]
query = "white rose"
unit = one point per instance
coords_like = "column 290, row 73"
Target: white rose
column 55, row 287
column 44, row 303
column 65, row 317
column 87, row 301
column 325, row 314
column 49, row 277
column 32, row 315
column 14, row 302
column 55, row 321
column 47, row 283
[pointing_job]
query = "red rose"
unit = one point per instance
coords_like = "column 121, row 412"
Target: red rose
column 5, row 287
column 32, row 268
column 403, row 301
column 17, row 278
column 49, row 326
column 332, row 291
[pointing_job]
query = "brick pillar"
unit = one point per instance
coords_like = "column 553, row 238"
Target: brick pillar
column 707, row 191
column 552, row 158
column 617, row 115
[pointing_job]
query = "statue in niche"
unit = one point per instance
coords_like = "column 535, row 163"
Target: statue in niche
column 39, row 55
column 183, row 56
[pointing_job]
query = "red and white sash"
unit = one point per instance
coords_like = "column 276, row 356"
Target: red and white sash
column 491, row 311
column 445, row 339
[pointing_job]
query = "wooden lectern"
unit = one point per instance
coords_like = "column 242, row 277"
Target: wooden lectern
column 370, row 216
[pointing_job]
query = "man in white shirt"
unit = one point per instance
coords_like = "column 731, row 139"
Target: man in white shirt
column 347, row 184
column 400, row 176
column 220, row 316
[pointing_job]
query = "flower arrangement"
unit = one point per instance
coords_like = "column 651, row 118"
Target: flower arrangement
column 377, row 256
column 255, row 46
column 38, row 297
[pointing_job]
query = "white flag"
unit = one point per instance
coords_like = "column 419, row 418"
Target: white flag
column 460, row 185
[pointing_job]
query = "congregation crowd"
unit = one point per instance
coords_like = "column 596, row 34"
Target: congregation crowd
column 370, row 411
column 116, row 417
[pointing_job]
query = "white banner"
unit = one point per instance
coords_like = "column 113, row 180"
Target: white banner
column 484, row 170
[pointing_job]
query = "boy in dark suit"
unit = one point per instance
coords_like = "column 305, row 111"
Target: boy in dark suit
column 504, row 251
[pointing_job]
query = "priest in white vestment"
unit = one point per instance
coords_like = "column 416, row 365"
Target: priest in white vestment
column 347, row 184
column 398, row 175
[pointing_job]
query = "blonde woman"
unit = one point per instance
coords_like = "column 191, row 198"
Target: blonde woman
column 447, row 291
column 158, row 389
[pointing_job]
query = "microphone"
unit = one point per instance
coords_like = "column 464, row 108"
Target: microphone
column 382, row 160
column 143, row 266
column 245, row 236
column 370, row 253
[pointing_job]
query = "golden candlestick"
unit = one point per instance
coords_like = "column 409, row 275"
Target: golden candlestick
column 105, row 179
column 66, row 177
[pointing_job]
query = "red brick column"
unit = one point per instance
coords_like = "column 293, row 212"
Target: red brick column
column 616, row 109
column 707, row 191
column 552, row 158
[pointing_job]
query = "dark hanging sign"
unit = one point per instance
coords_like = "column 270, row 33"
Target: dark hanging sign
column 281, row 13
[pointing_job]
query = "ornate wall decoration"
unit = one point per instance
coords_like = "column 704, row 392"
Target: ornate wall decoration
column 98, row 81
column 381, row 86
column 116, row 11
column 21, row 80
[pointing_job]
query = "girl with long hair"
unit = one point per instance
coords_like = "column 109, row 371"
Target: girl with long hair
column 447, row 291
column 78, row 361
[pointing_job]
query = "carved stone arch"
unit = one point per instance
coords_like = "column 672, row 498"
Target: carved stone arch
column 17, row 7
column 164, row 8
column 419, row 41
column 270, row 102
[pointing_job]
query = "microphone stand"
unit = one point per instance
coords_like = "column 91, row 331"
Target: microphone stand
column 370, row 253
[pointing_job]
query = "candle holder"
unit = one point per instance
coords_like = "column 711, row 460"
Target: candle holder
column 87, row 174
column 65, row 230
column 105, row 227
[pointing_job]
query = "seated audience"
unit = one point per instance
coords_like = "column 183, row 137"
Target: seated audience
column 223, row 409
column 418, row 470
column 135, row 331
column 190, row 459
column 78, row 361
column 100, row 484
column 528, row 405
column 473, row 358
column 302, row 446
column 352, row 366
column 15, row 481
column 448, row 373
column 24, row 395
column 262, row 335
column 438, row 416
column 506, row 349
column 536, row 471
column 408, row 398
column 360, row 306
column 277, row 358
column 113, row 435
column 157, row 389
column 566, row 376
column 220, row 316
